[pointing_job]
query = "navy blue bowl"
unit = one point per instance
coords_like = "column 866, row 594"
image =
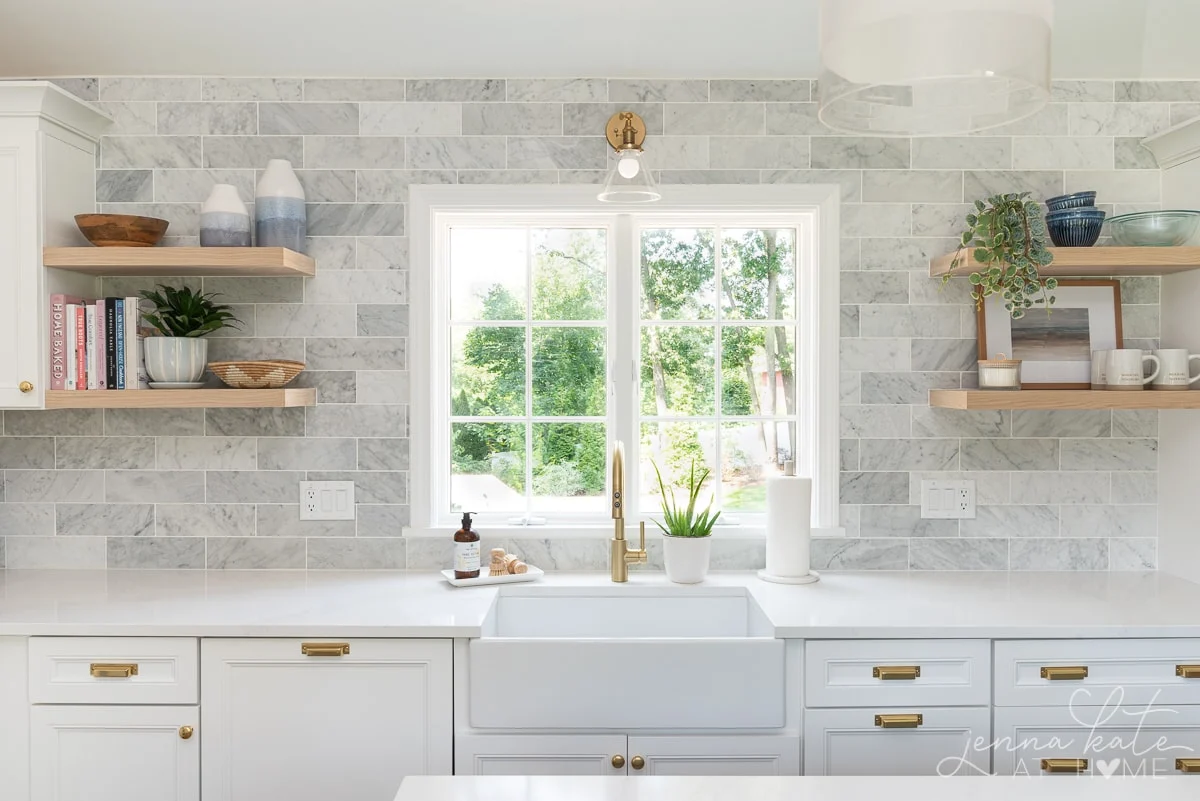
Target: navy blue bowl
column 1078, row 200
column 1075, row 228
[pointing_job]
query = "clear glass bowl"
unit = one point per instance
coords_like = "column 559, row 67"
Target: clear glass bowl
column 1161, row 229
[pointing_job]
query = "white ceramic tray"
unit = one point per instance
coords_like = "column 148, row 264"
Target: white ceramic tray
column 534, row 574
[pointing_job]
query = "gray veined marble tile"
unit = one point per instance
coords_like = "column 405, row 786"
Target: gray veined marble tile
column 1140, row 322
column 255, row 553
column 1132, row 155
column 848, row 455
column 1119, row 119
column 908, row 454
column 557, row 152
column 1135, row 423
column 333, row 386
column 375, row 353
column 861, row 152
column 1141, row 290
column 1060, row 488
column 990, row 488
column 413, row 119
column 283, row 520
column 104, row 519
column 956, row 355
column 356, row 554
column 252, row 152
column 1150, row 91
column 239, row 348
column 131, row 118
column 1109, row 521
column 837, row 553
column 795, row 118
column 668, row 177
column 354, row 152
column 349, row 219
column 510, row 177
column 253, row 486
column 371, row 486
column 354, row 89
column 382, row 253
column 328, row 186
column 27, row 519
column 759, row 152
column 124, row 186
column 850, row 181
column 307, row 118
column 317, row 319
column 156, row 553
column 151, row 486
column 1133, row 554
column 455, row 153
column 562, row 555
column 206, row 453
column 933, row 422
column 184, row 218
column 876, row 219
column 437, row 553
column 1110, row 454
column 671, row 91
column 332, row 252
column 1031, row 423
column 1011, row 521
column 380, row 287
column 848, row 519
column 382, row 454
column 83, row 88
column 902, row 521
column 873, row 354
column 391, row 186
column 61, row 486
column 891, row 422
column 1010, row 454
column 254, row 422
column 204, row 520
column 98, row 453
column 194, row 186
column 221, row 119
column 715, row 118
column 985, row 183
column 1082, row 92
column 873, row 488
column 382, row 320
column 681, row 153
column 731, row 554
column 909, row 321
column 958, row 554
column 848, row 321
column 590, row 119
column 963, row 152
column 152, row 422
column 940, row 219
column 773, row 91
column 252, row 89
column 1058, row 554
column 142, row 88
column 1061, row 152
column 283, row 453
column 903, row 253
column 874, row 287
column 1118, row 186
column 55, row 553
column 357, row 421
column 557, row 90
column 924, row 186
column 1134, row 487
column 904, row 388
column 257, row 290
column 1050, row 120
column 518, row 119
column 26, row 453
column 383, row 520
column 131, row 152
column 455, row 89
column 1183, row 112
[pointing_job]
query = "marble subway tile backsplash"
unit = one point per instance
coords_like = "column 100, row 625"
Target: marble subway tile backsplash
column 216, row 488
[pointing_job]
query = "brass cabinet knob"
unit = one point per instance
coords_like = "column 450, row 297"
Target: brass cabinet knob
column 185, row 732
column 618, row 762
column 25, row 386
column 637, row 763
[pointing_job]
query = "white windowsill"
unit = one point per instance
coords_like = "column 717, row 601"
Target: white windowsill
column 565, row 532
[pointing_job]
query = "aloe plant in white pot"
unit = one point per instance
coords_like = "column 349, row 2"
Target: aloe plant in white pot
column 687, row 540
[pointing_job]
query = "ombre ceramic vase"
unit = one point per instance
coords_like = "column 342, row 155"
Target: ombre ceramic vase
column 224, row 219
column 279, row 217
column 175, row 360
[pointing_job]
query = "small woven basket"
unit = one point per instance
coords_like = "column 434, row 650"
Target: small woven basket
column 256, row 375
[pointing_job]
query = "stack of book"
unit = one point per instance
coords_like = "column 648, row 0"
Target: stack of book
column 96, row 344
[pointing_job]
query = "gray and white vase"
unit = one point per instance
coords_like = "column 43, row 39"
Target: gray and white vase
column 224, row 220
column 279, row 218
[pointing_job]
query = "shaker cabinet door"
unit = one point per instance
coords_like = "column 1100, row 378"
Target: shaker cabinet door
column 540, row 755
column 20, row 265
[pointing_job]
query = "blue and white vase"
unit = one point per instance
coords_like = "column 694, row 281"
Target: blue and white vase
column 279, row 219
column 224, row 220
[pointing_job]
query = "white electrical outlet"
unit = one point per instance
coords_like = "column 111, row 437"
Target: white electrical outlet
column 326, row 500
column 948, row 500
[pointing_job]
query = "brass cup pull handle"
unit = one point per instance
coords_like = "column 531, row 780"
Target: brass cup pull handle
column 1187, row 765
column 637, row 763
column 185, row 732
column 1064, row 765
column 25, row 386
column 1187, row 671
column 325, row 648
column 618, row 761
column 896, row 672
column 1065, row 673
column 101, row 670
column 899, row 721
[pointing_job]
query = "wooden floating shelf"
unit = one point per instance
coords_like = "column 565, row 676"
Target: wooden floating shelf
column 1096, row 262
column 232, row 262
column 181, row 398
column 1053, row 399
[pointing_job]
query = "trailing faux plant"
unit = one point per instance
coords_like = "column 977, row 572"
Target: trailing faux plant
column 686, row 522
column 184, row 313
column 1007, row 240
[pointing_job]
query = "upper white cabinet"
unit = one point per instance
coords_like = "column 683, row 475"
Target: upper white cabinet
column 313, row 720
column 47, row 176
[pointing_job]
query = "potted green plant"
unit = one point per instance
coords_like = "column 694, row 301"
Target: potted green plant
column 687, row 543
column 1007, row 239
column 182, row 317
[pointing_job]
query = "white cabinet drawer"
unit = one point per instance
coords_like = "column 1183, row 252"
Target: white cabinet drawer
column 864, row 673
column 851, row 742
column 1129, row 740
column 1050, row 672
column 113, row 670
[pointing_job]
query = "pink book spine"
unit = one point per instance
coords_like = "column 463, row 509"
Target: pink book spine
column 98, row 362
column 58, row 339
column 81, row 347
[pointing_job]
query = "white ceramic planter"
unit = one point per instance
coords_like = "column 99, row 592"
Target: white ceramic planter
column 175, row 360
column 686, row 558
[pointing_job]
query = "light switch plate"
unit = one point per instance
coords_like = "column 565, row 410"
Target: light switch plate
column 326, row 500
column 947, row 500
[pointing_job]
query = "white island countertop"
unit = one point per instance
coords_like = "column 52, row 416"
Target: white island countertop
column 793, row 788
column 401, row 604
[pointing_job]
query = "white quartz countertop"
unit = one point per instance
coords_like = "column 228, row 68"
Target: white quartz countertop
column 792, row 788
column 400, row 604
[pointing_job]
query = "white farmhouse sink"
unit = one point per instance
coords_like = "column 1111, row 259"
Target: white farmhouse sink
column 626, row 658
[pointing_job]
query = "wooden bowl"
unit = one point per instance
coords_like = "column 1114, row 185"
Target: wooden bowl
column 256, row 375
column 121, row 230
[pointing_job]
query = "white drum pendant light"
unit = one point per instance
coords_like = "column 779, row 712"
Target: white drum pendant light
column 932, row 67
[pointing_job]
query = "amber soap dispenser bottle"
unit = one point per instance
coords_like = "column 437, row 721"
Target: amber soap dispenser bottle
column 466, row 550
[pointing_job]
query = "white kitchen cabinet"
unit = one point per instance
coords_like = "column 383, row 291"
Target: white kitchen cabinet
column 721, row 755
column 14, row 719
column 114, row 753
column 314, row 720
column 47, row 175
column 855, row 742
column 540, row 755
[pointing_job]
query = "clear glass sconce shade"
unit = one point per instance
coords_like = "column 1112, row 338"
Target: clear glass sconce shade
column 639, row 187
column 932, row 67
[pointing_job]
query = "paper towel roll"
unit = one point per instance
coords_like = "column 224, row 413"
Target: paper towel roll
column 789, row 531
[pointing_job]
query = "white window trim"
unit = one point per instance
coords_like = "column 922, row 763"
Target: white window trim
column 817, row 404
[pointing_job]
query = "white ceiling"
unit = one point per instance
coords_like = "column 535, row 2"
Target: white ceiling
column 529, row 38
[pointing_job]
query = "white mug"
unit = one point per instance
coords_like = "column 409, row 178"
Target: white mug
column 1175, row 372
column 1125, row 368
column 1099, row 367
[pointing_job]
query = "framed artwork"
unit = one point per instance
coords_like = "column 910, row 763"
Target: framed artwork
column 1055, row 349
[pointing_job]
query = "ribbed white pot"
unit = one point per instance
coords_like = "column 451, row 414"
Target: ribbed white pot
column 686, row 558
column 175, row 360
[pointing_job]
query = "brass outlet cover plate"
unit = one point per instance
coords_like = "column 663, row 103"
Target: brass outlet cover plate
column 616, row 123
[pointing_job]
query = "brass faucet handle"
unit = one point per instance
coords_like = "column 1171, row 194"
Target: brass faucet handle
column 638, row 556
column 642, row 537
